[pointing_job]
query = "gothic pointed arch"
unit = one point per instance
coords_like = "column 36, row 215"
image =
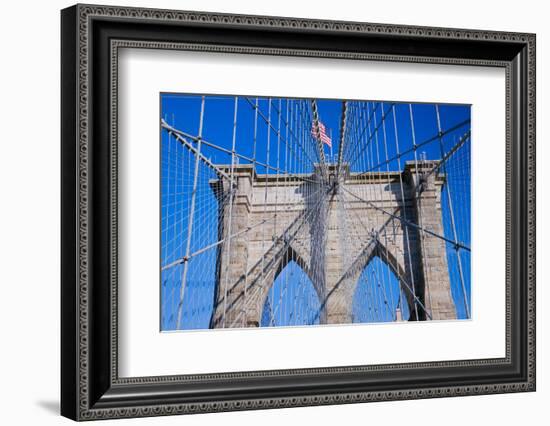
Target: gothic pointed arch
column 377, row 296
column 291, row 256
column 342, row 293
column 292, row 299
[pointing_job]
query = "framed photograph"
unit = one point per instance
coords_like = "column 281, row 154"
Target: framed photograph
column 263, row 212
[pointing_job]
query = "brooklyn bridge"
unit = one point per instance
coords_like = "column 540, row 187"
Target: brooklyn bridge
column 292, row 212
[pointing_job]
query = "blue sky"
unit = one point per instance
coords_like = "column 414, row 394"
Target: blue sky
column 182, row 111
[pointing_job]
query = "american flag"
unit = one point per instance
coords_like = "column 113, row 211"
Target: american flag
column 324, row 137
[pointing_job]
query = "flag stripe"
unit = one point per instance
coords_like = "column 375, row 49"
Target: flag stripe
column 322, row 133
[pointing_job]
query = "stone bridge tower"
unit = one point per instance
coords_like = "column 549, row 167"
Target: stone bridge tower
column 332, row 224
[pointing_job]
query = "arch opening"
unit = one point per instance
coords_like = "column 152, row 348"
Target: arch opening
column 292, row 299
column 379, row 296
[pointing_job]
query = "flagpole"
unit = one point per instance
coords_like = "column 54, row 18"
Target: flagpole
column 331, row 156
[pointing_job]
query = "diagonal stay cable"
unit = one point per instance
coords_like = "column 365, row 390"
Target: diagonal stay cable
column 408, row 223
column 420, row 145
column 449, row 154
column 217, row 243
column 185, row 136
column 195, row 151
column 374, row 240
column 287, row 237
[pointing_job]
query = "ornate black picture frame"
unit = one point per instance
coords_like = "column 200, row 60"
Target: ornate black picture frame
column 90, row 38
